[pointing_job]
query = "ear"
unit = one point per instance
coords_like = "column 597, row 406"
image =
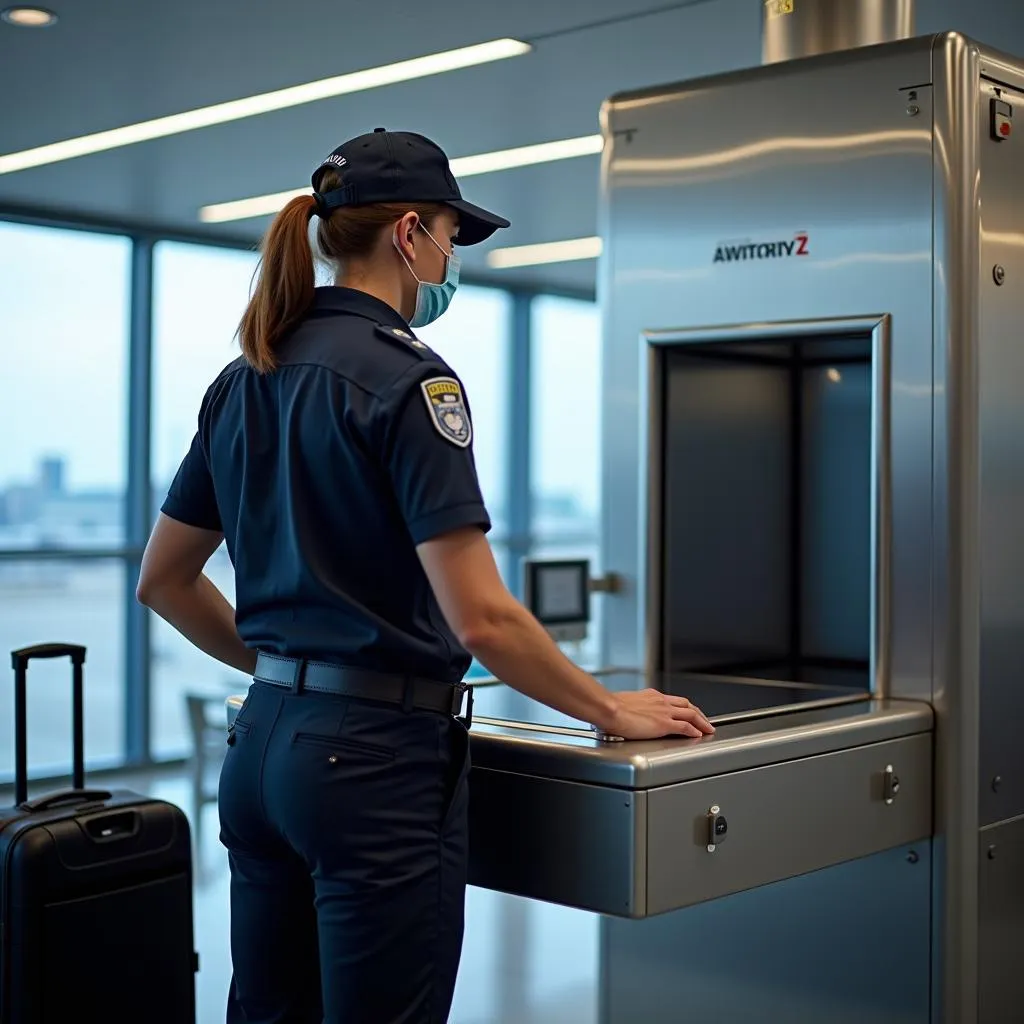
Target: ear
column 405, row 232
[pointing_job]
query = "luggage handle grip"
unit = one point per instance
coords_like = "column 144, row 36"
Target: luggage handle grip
column 21, row 658
column 110, row 827
column 69, row 796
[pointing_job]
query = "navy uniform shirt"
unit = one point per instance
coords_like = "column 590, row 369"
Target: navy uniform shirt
column 324, row 476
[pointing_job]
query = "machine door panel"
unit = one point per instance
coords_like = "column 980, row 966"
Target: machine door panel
column 1001, row 429
column 786, row 819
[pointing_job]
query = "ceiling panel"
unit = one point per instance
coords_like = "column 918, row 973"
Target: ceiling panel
column 115, row 63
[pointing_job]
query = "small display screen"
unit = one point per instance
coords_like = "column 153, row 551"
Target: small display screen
column 558, row 592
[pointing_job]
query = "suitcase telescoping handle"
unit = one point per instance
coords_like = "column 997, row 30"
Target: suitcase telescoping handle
column 74, row 796
column 20, row 660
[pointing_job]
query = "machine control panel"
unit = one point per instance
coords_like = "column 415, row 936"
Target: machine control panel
column 1002, row 113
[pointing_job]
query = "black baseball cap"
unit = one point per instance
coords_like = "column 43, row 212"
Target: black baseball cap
column 401, row 167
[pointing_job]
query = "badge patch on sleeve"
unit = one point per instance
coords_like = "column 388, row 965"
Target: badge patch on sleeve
column 448, row 410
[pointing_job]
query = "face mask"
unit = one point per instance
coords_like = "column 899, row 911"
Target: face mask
column 433, row 299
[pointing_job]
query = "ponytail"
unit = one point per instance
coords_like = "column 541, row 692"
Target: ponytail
column 285, row 287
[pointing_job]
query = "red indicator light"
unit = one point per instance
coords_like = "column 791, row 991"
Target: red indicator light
column 1004, row 128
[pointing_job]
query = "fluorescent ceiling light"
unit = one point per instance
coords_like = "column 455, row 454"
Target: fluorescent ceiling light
column 524, row 156
column 29, row 17
column 251, row 106
column 257, row 206
column 545, row 252
column 462, row 167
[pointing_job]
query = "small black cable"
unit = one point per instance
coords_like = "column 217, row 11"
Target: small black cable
column 617, row 20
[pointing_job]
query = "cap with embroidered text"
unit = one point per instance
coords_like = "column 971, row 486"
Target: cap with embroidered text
column 400, row 167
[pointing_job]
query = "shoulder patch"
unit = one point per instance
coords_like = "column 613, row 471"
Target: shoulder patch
column 447, row 408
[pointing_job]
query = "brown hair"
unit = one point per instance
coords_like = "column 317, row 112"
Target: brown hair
column 287, row 278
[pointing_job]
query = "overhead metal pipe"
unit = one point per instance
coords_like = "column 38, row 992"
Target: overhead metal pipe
column 803, row 28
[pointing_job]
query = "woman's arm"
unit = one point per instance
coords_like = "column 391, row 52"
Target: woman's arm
column 173, row 585
column 508, row 641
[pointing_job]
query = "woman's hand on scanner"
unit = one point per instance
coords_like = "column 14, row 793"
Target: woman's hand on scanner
column 650, row 714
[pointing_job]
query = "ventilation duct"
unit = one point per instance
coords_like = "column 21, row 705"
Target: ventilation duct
column 803, row 28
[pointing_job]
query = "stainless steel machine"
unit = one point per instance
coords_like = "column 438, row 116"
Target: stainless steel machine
column 813, row 458
column 812, row 286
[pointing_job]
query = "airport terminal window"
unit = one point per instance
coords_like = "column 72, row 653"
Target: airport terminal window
column 63, row 484
column 79, row 602
column 565, row 441
column 565, row 418
column 64, row 344
column 63, row 416
column 199, row 294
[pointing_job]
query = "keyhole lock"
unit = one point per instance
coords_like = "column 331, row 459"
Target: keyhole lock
column 891, row 785
column 717, row 827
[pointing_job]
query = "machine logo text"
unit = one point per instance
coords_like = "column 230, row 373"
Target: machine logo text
column 733, row 252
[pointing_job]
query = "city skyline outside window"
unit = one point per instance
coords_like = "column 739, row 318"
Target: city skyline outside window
column 65, row 390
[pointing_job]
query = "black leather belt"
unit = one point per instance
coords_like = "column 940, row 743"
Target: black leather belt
column 410, row 692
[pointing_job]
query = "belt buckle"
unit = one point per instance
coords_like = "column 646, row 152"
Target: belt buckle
column 463, row 690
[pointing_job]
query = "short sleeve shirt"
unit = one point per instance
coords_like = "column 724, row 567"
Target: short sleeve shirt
column 324, row 476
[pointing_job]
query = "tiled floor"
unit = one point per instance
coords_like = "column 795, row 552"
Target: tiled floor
column 523, row 962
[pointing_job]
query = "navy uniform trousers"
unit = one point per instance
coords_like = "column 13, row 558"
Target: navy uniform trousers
column 345, row 825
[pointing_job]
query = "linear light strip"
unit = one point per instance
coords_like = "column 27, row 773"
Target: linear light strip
column 524, row 156
column 250, row 106
column 545, row 252
column 243, row 209
column 462, row 167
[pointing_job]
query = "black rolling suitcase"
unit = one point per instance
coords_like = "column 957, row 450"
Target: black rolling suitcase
column 95, row 894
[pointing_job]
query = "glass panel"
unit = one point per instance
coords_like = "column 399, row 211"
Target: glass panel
column 565, row 437
column 78, row 602
column 63, row 392
column 199, row 295
column 473, row 338
column 565, row 444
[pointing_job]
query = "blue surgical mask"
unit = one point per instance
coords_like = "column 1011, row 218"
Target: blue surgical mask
column 433, row 299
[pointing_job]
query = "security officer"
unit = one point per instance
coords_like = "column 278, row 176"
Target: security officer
column 335, row 459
